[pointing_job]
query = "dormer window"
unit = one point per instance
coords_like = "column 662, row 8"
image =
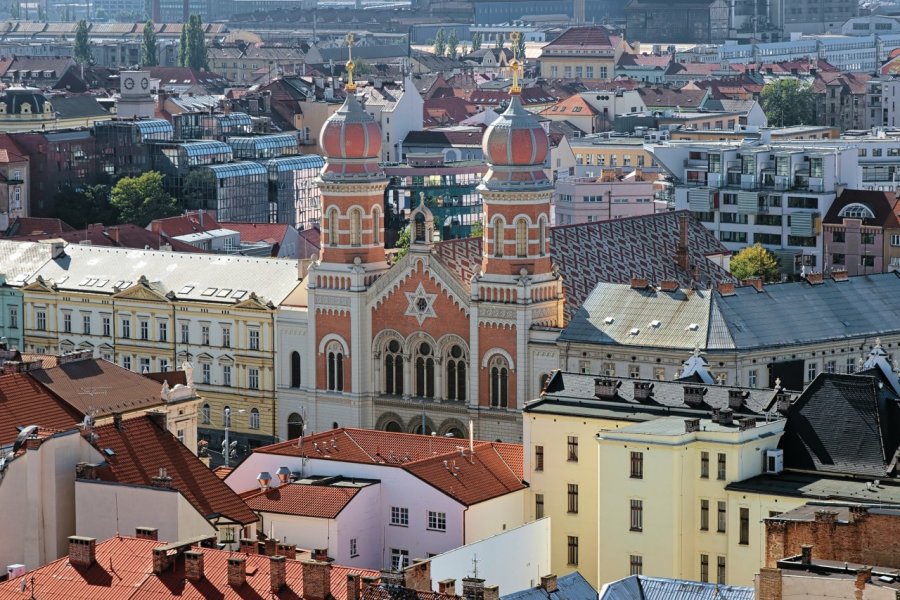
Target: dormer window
column 856, row 211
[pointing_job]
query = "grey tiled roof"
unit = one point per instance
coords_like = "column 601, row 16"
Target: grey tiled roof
column 568, row 587
column 820, row 487
column 639, row 587
column 19, row 260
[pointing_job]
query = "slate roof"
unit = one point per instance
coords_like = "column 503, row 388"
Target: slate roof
column 25, row 225
column 660, row 97
column 579, row 37
column 639, row 587
column 115, row 388
column 124, row 570
column 496, row 469
column 884, row 206
column 844, row 424
column 568, row 587
column 814, row 486
column 303, row 500
column 19, row 260
column 24, row 402
column 78, row 107
column 609, row 251
column 574, row 393
column 807, row 314
column 141, row 448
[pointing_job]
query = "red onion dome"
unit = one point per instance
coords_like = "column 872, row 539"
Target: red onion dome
column 351, row 133
column 515, row 139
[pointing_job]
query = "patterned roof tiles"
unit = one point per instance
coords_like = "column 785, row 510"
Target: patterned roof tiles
column 24, row 402
column 302, row 500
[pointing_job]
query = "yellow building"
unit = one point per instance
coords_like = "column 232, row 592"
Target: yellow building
column 587, row 52
column 150, row 311
column 629, row 489
column 611, row 153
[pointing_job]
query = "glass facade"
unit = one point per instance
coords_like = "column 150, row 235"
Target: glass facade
column 239, row 191
column 293, row 190
column 123, row 146
column 205, row 126
column 264, row 146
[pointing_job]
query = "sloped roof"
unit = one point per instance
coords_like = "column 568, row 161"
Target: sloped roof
column 579, row 37
column 191, row 222
column 24, row 402
column 639, row 587
column 124, row 570
column 884, row 205
column 117, row 236
column 573, row 106
column 20, row 260
column 78, row 107
column 303, row 500
column 141, row 448
column 568, row 587
column 495, row 469
column 660, row 97
column 27, row 225
column 655, row 61
column 12, row 153
column 97, row 387
column 259, row 232
column 843, row 424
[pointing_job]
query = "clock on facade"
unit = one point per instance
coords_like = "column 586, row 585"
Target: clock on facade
column 129, row 83
column 145, row 83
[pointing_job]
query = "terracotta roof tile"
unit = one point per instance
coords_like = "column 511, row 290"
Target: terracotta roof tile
column 124, row 570
column 304, row 500
column 24, row 402
column 573, row 106
column 192, row 222
column 120, row 236
column 29, row 225
column 141, row 449
column 258, row 232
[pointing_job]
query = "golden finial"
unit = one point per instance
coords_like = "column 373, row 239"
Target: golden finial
column 350, row 87
column 515, row 65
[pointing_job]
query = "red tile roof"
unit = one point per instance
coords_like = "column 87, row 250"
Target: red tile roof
column 141, row 449
column 580, row 37
column 119, row 236
column 12, row 151
column 29, row 225
column 574, row 106
column 302, row 500
column 477, row 479
column 671, row 98
column 272, row 233
column 192, row 222
column 124, row 571
column 24, row 402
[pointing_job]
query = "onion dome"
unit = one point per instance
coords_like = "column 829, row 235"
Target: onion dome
column 516, row 138
column 351, row 141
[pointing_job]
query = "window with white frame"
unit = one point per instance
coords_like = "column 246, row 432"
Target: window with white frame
column 437, row 521
column 163, row 330
column 205, row 414
column 126, row 327
column 400, row 516
column 254, row 418
column 86, row 324
column 226, row 336
column 226, row 375
column 752, row 378
column 145, row 329
column 163, row 365
column 185, row 332
column 254, row 339
column 354, row 549
column 126, row 362
column 399, row 558
column 206, row 370
column 204, row 335
column 253, row 379
column 13, row 321
column 811, row 367
column 67, row 322
column 107, row 326
column 144, row 365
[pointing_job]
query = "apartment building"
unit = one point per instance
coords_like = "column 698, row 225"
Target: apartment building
column 582, row 53
column 604, row 198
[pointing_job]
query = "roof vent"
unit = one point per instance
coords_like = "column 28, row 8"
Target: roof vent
column 606, row 388
column 643, row 390
column 692, row 327
column 736, row 398
column 634, row 331
column 693, row 395
column 655, row 324
column 609, row 320
column 264, row 479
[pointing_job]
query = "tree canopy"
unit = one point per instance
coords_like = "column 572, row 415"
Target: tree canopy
column 141, row 199
column 80, row 207
column 192, row 45
column 476, row 41
column 149, row 56
column 788, row 102
column 453, row 45
column 82, row 51
column 755, row 261
column 440, row 43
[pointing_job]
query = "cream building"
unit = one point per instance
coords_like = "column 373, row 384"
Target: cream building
column 151, row 311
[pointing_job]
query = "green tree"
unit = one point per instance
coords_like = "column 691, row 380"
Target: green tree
column 440, row 43
column 476, row 41
column 403, row 242
column 197, row 54
column 82, row 50
column 141, row 199
column 80, row 207
column 363, row 68
column 453, row 45
column 788, row 102
column 477, row 230
column 520, row 47
column 755, row 261
column 149, row 56
column 183, row 47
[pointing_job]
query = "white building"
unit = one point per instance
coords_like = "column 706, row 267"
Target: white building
column 397, row 112
column 423, row 495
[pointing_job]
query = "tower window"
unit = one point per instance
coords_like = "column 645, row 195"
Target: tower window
column 333, row 227
column 420, row 229
column 497, row 232
column 335, row 367
column 355, row 227
column 499, row 382
column 521, row 238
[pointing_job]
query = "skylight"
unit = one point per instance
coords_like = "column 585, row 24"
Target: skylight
column 186, row 289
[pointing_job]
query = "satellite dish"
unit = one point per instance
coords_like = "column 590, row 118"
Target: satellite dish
column 23, row 435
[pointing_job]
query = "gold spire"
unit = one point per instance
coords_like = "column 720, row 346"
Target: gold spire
column 350, row 87
column 515, row 65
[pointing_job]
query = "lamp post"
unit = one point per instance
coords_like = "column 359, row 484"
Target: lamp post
column 229, row 447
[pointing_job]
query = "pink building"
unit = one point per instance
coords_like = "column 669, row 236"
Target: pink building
column 604, row 198
column 861, row 232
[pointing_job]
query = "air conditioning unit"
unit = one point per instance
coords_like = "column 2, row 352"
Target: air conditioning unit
column 774, row 461
column 13, row 571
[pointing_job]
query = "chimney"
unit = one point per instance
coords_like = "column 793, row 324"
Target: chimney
column 271, row 547
column 114, row 232
column 548, row 583
column 839, row 275
column 782, row 402
column 354, row 586
column 147, row 533
column 806, row 554
column 162, row 480
column 815, row 278
column 289, row 551
column 736, row 399
column 473, row 588
column 193, row 565
column 643, row 390
column 162, row 560
column 682, row 258
column 863, row 576
column 117, row 420
column 669, row 285
column 248, row 546
column 447, row 586
column 491, row 592
column 82, row 551
column 606, row 388
column 638, row 283
column 726, row 416
column 747, row 423
column 278, row 573
column 691, row 425
column 392, row 579
column 726, row 288
column 756, row 282
column 57, row 249
column 320, row 554
column 316, row 580
column 693, row 395
column 85, row 471
column 418, row 575
column 237, row 572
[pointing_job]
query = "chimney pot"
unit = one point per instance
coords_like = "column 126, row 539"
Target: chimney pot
column 278, row 573
column 447, row 586
column 193, row 565
column 82, row 551
column 237, row 572
column 548, row 583
column 147, row 533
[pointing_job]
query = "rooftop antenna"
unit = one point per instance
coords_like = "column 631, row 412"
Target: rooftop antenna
column 475, row 566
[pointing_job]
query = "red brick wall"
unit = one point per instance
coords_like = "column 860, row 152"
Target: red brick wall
column 490, row 337
column 331, row 324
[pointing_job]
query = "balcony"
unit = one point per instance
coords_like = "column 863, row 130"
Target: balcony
column 749, row 182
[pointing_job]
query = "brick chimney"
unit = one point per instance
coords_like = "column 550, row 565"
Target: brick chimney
column 162, row 480
column 639, row 283
column 747, row 423
column 606, row 388
column 736, row 399
column 548, row 583
column 248, row 546
column 863, row 576
column 354, row 586
column 316, row 580
column 473, row 588
column 117, row 420
column 146, row 533
column 271, row 547
column 278, row 573
column 769, row 586
column 237, row 572
column 756, row 282
column 839, row 275
column 782, row 402
column 682, row 256
column 193, row 565
column 693, row 395
column 162, row 560
column 726, row 288
column 82, row 551
column 491, row 592
column 815, row 278
column 320, row 554
column 691, row 425
column 85, row 470
column 643, row 390
column 806, row 554
column 726, row 416
column 669, row 285
column 447, row 586
column 288, row 551
column 418, row 575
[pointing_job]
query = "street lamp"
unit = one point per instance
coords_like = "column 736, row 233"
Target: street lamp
column 229, row 448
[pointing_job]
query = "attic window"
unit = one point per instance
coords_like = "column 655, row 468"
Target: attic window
column 576, row 109
column 692, row 327
column 223, row 293
column 209, row 291
column 186, row 289
column 654, row 324
column 634, row 331
column 239, row 294
column 119, row 284
column 109, row 452
column 103, row 282
column 608, row 320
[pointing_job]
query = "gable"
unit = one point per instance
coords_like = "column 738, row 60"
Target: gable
column 140, row 291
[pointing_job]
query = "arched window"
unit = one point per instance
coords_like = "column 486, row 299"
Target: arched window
column 294, row 426
column 393, row 369
column 456, row 373
column 335, row 368
column 226, row 417
column 420, row 229
column 857, row 211
column 521, row 238
column 295, row 369
column 499, row 370
column 497, row 234
column 376, row 226
column 542, row 236
column 355, row 227
column 205, row 416
column 393, row 426
column 254, row 418
column 333, row 227
column 425, row 371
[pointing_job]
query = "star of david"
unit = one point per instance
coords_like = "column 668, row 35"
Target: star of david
column 421, row 304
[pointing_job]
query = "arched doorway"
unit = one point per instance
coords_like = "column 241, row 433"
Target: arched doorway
column 394, row 427
column 294, row 426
